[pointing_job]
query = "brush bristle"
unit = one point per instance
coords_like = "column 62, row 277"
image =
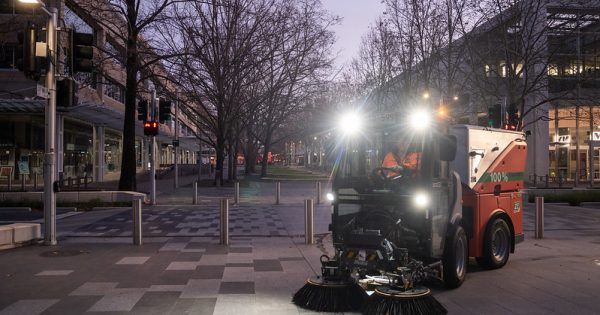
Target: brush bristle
column 389, row 305
column 336, row 297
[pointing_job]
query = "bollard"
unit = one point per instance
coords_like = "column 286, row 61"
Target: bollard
column 224, row 226
column 318, row 192
column 236, row 199
column 195, row 199
column 22, row 182
column 35, row 181
column 137, row 221
column 10, row 182
column 308, row 221
column 277, row 192
column 78, row 183
column 539, row 217
column 85, row 182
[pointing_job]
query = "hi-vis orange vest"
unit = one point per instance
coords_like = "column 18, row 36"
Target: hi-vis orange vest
column 410, row 161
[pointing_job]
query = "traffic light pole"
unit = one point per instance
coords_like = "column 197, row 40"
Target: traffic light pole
column 153, row 153
column 50, row 154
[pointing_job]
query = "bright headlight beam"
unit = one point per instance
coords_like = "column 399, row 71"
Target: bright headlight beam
column 350, row 123
column 421, row 200
column 420, row 120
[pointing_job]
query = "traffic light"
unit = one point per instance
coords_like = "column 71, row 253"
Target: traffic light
column 495, row 116
column 66, row 92
column 142, row 110
column 164, row 110
column 150, row 128
column 26, row 60
column 82, row 52
column 513, row 116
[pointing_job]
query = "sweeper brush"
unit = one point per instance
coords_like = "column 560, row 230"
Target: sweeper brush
column 330, row 296
column 390, row 301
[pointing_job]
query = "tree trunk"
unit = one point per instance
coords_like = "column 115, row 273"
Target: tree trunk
column 219, row 163
column 230, row 166
column 127, row 181
column 264, row 162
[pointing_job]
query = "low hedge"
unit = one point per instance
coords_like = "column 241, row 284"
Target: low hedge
column 81, row 206
column 573, row 197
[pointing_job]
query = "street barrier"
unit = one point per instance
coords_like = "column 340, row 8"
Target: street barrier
column 224, row 226
column 318, row 192
column 539, row 217
column 137, row 221
column 277, row 192
column 195, row 199
column 308, row 221
column 236, row 199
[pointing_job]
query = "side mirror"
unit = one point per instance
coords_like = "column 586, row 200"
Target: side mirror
column 447, row 145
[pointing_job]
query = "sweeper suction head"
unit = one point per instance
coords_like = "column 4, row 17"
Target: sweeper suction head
column 330, row 295
column 390, row 301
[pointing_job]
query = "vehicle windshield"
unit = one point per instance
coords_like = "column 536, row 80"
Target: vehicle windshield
column 383, row 160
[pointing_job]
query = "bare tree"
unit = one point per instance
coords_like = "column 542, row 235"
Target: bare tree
column 126, row 21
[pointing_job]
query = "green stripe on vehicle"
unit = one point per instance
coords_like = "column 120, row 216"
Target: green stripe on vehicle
column 497, row 177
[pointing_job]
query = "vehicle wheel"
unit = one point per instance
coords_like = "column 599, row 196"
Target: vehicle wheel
column 496, row 245
column 456, row 257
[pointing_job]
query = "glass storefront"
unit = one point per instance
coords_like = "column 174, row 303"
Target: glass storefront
column 112, row 152
column 77, row 150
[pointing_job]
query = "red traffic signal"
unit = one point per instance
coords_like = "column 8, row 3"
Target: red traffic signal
column 150, row 128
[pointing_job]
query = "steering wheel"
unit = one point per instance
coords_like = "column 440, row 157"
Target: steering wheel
column 384, row 172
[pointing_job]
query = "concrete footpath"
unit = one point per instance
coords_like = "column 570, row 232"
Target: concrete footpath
column 181, row 269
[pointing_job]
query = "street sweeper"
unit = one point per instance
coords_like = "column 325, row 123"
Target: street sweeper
column 412, row 201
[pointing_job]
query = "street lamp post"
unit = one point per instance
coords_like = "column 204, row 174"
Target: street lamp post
column 50, row 113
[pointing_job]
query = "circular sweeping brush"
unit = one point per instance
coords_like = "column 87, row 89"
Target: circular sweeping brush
column 330, row 296
column 416, row 301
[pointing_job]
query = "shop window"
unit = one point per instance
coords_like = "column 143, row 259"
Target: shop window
column 7, row 55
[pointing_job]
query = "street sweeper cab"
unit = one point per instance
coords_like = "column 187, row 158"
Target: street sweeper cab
column 453, row 194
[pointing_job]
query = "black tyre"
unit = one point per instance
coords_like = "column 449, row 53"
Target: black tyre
column 456, row 257
column 496, row 245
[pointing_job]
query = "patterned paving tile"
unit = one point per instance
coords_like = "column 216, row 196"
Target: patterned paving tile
column 55, row 273
column 30, row 307
column 236, row 287
column 133, row 260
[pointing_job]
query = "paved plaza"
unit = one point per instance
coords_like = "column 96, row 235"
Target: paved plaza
column 181, row 268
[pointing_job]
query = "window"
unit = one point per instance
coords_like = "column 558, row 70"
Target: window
column 7, row 56
column 114, row 90
column 552, row 70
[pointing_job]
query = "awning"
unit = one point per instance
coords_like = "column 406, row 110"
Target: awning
column 22, row 106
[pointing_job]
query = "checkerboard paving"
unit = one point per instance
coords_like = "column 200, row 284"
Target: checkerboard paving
column 189, row 221
column 253, row 275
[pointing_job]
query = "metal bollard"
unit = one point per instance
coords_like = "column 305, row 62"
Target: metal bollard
column 35, row 181
column 195, row 199
column 277, row 192
column 308, row 221
column 85, row 182
column 224, row 226
column 236, row 199
column 10, row 182
column 22, row 182
column 137, row 221
column 539, row 217
column 318, row 192
column 78, row 183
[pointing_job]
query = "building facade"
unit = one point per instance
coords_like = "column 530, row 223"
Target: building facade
column 89, row 131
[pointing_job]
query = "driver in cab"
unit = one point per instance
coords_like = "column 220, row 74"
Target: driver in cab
column 400, row 158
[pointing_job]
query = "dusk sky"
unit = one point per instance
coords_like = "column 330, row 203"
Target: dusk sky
column 357, row 16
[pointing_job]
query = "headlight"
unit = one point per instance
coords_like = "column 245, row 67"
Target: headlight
column 350, row 123
column 420, row 120
column 421, row 200
column 330, row 196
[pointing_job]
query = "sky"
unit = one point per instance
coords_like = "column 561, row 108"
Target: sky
column 356, row 16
